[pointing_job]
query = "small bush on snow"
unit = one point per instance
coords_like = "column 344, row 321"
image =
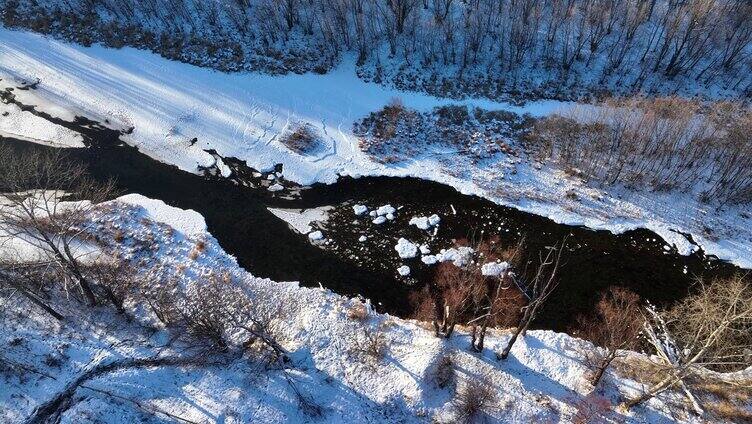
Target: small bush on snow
column 370, row 346
column 358, row 311
column 474, row 400
column 302, row 139
column 441, row 373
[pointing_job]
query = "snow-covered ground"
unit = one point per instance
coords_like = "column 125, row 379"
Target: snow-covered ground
column 542, row 381
column 243, row 115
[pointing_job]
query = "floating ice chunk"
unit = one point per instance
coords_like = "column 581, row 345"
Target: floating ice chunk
column 424, row 249
column 429, row 259
column 360, row 209
column 405, row 248
column 316, row 235
column 425, row 223
column 379, row 220
column 420, row 222
column 271, row 177
column 404, row 270
column 362, row 239
column 458, row 256
column 275, row 187
column 386, row 209
column 494, row 269
column 373, row 213
column 390, row 216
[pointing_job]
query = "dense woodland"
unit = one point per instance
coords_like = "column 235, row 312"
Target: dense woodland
column 542, row 48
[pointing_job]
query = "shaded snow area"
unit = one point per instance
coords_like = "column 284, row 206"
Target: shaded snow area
column 325, row 334
column 243, row 115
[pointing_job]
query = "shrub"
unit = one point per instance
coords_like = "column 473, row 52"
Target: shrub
column 442, row 373
column 370, row 346
column 302, row 139
column 474, row 400
column 358, row 311
column 663, row 143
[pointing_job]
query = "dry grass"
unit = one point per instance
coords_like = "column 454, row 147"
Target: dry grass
column 639, row 369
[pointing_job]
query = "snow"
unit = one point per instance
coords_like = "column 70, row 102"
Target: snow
column 360, row 209
column 316, row 235
column 300, row 220
column 420, row 221
column 494, row 269
column 188, row 222
column 543, row 380
column 405, row 248
column 429, row 259
column 276, row 187
column 379, row 220
column 25, row 126
column 385, row 210
column 425, row 223
column 459, row 256
column 424, row 249
column 241, row 115
column 362, row 239
column 404, row 270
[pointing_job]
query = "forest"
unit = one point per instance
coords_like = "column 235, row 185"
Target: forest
column 512, row 49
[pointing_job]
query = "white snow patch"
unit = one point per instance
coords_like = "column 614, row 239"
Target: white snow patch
column 385, row 210
column 494, row 269
column 379, row 220
column 404, row 270
column 459, row 256
column 187, row 221
column 300, row 220
column 405, row 248
column 360, row 209
column 429, row 259
column 276, row 187
column 316, row 235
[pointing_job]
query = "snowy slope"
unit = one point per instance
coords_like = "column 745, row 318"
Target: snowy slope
column 243, row 115
column 542, row 381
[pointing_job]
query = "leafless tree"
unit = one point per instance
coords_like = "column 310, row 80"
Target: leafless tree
column 710, row 329
column 498, row 299
column 35, row 188
column 613, row 326
column 26, row 278
column 538, row 290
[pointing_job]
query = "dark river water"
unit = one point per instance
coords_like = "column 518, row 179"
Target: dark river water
column 236, row 213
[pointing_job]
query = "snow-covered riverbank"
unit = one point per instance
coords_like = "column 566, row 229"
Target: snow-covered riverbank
column 178, row 110
column 542, row 381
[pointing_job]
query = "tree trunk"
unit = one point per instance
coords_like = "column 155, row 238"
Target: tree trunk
column 602, row 367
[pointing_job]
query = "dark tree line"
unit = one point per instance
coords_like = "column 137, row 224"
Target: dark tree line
column 453, row 47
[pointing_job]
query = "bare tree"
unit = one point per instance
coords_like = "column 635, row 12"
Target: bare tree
column 537, row 290
column 22, row 278
column 614, row 325
column 35, row 188
column 497, row 300
column 709, row 329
